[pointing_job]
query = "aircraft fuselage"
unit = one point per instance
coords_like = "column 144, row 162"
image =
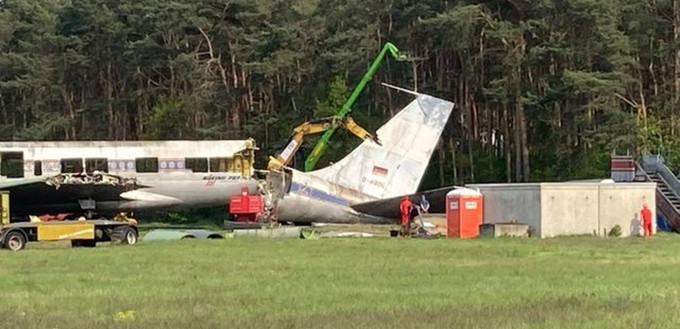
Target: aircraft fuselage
column 168, row 175
column 185, row 191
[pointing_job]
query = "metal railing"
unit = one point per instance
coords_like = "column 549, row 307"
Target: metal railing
column 664, row 205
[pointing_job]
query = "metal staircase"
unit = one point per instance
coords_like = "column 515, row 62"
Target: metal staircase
column 653, row 169
column 662, row 187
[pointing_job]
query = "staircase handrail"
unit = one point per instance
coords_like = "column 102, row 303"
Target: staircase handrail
column 671, row 213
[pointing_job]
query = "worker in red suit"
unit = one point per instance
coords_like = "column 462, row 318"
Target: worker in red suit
column 646, row 217
column 405, row 209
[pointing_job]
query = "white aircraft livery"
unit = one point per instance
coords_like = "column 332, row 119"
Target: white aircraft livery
column 109, row 177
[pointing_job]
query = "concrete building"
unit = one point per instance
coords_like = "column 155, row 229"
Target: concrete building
column 570, row 208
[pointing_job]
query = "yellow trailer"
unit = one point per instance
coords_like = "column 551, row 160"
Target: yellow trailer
column 81, row 233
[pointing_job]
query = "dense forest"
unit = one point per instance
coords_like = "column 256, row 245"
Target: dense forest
column 545, row 90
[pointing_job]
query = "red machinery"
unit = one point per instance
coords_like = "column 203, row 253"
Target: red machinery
column 246, row 207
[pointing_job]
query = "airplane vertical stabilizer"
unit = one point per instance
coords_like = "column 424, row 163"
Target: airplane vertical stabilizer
column 397, row 167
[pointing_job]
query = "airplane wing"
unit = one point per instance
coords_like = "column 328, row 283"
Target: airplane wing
column 389, row 208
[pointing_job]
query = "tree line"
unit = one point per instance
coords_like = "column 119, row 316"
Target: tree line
column 544, row 89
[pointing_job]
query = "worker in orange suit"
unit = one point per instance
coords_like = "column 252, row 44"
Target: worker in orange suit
column 405, row 209
column 646, row 217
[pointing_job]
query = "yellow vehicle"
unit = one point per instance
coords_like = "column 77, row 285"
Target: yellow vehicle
column 315, row 127
column 81, row 233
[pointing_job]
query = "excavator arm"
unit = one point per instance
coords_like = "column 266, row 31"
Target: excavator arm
column 358, row 131
column 299, row 133
column 314, row 127
column 321, row 146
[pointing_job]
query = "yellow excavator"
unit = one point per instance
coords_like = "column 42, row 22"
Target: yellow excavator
column 314, row 127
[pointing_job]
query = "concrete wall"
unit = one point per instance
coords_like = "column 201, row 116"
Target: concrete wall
column 504, row 203
column 621, row 204
column 568, row 209
column 571, row 208
column 499, row 230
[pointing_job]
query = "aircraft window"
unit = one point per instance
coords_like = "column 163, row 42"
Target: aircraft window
column 37, row 168
column 146, row 164
column 219, row 164
column 197, row 164
column 71, row 166
column 100, row 164
column 12, row 164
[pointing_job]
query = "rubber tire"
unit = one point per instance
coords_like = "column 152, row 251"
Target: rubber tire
column 124, row 234
column 16, row 237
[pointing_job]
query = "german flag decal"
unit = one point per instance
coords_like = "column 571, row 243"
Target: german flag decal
column 380, row 171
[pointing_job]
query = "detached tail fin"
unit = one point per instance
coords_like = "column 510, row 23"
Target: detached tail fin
column 397, row 167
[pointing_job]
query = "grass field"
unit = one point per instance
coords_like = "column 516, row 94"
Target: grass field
column 577, row 282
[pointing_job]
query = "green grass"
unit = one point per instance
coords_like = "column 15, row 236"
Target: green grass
column 575, row 282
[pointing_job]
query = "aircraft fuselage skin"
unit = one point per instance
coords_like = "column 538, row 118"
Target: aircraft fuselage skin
column 303, row 198
column 301, row 209
column 167, row 192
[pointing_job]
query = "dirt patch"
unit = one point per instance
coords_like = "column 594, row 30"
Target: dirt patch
column 439, row 220
column 375, row 229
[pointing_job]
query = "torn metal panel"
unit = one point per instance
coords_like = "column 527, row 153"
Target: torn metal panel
column 96, row 178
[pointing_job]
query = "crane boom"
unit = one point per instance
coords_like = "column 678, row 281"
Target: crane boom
column 347, row 107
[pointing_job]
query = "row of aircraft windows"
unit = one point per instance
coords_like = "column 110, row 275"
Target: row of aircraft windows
column 14, row 167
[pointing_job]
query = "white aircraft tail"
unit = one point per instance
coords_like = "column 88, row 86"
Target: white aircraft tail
column 397, row 167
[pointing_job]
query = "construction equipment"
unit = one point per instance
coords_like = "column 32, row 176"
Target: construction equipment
column 246, row 208
column 331, row 124
column 314, row 127
column 81, row 233
column 321, row 146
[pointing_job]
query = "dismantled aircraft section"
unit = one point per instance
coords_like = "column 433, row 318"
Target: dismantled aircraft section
column 96, row 178
column 370, row 173
column 112, row 177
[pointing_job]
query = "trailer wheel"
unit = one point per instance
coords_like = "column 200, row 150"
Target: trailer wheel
column 15, row 241
column 124, row 235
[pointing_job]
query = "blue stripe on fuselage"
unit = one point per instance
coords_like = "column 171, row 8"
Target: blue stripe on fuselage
column 313, row 193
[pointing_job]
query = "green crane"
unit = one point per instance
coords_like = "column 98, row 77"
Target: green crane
column 321, row 146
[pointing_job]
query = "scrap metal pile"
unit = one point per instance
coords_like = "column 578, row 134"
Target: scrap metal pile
column 96, row 178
